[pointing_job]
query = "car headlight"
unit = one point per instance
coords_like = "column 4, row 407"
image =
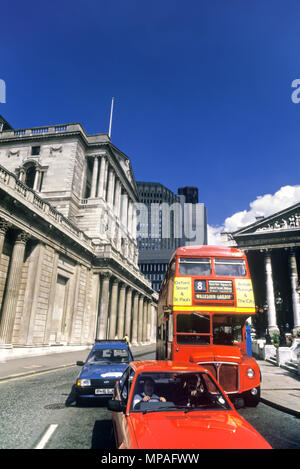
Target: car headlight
column 250, row 373
column 83, row 382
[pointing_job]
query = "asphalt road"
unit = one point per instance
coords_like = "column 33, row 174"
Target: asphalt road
column 39, row 412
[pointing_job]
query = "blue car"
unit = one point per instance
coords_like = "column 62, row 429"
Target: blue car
column 104, row 365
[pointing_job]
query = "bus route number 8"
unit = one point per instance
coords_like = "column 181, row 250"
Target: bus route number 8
column 200, row 285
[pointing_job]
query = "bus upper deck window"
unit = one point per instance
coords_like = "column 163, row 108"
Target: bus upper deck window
column 193, row 266
column 230, row 267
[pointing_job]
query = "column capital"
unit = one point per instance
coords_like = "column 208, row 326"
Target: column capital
column 4, row 225
column 22, row 237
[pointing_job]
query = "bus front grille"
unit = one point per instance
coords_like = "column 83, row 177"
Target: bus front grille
column 227, row 374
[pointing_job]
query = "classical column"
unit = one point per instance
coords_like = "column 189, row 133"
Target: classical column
column 294, row 285
column 117, row 204
column 272, row 324
column 128, row 312
column 101, row 182
column 94, row 177
column 111, row 187
column 121, row 312
column 145, row 313
column 22, row 175
column 134, row 330
column 36, row 179
column 12, row 290
column 124, row 209
column 149, row 314
column 140, row 318
column 4, row 225
column 134, row 221
column 103, row 308
column 113, row 310
column 129, row 221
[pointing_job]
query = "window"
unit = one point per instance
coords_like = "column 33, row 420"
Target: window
column 193, row 329
column 108, row 356
column 194, row 266
column 227, row 330
column 35, row 150
column 230, row 267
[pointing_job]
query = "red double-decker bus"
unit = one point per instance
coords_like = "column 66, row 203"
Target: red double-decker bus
column 204, row 302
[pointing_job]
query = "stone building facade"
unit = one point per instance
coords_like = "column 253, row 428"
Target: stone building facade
column 272, row 246
column 68, row 250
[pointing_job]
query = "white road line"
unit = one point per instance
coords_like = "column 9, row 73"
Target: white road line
column 46, row 436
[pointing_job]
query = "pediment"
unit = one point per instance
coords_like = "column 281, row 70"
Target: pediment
column 285, row 220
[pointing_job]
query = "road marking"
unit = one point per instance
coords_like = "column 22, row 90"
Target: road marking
column 46, row 436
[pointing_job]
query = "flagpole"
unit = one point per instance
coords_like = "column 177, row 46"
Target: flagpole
column 111, row 113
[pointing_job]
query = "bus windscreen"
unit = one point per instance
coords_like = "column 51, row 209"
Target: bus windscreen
column 191, row 266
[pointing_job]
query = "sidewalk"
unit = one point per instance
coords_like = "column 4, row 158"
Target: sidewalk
column 27, row 365
column 279, row 388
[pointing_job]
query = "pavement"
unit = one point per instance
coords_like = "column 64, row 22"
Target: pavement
column 279, row 388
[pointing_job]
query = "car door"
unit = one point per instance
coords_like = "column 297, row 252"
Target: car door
column 123, row 435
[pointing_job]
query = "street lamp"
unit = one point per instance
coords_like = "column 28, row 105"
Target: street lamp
column 267, row 334
column 282, row 338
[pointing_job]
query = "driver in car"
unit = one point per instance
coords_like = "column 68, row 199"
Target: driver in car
column 148, row 394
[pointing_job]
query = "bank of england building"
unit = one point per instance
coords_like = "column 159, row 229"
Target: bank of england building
column 68, row 252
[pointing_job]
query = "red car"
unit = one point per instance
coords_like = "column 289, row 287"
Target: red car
column 170, row 405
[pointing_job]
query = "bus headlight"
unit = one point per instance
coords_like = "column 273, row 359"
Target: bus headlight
column 250, row 373
column 83, row 382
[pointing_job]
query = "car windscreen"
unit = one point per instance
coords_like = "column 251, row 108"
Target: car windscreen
column 175, row 391
column 108, row 356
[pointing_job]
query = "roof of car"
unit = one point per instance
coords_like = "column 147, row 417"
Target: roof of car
column 164, row 365
column 110, row 344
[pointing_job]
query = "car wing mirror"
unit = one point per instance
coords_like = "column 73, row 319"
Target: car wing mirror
column 79, row 363
column 116, row 406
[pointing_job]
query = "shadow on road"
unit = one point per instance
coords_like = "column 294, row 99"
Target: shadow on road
column 103, row 437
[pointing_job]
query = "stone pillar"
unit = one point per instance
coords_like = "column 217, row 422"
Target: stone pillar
column 121, row 311
column 117, row 205
column 128, row 312
column 140, row 319
column 103, row 308
column 111, row 187
column 149, row 317
column 134, row 221
column 12, row 290
column 129, row 221
column 101, row 182
column 4, row 225
column 272, row 324
column 124, row 210
column 36, row 179
column 134, row 330
column 22, row 175
column 113, row 310
column 145, row 314
column 294, row 285
column 94, row 177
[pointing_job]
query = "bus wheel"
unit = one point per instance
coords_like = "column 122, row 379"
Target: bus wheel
column 252, row 397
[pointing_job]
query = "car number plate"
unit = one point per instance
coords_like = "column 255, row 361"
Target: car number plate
column 104, row 391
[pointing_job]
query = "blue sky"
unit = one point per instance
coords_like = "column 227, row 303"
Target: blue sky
column 202, row 88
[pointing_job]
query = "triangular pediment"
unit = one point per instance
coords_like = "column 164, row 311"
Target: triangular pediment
column 285, row 220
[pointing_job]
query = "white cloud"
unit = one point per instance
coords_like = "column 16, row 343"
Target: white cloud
column 263, row 205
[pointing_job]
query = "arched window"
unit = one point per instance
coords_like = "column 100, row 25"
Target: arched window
column 30, row 176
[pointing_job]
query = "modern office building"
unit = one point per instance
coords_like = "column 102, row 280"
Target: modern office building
column 167, row 221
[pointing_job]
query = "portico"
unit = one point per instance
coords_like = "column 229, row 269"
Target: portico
column 272, row 245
